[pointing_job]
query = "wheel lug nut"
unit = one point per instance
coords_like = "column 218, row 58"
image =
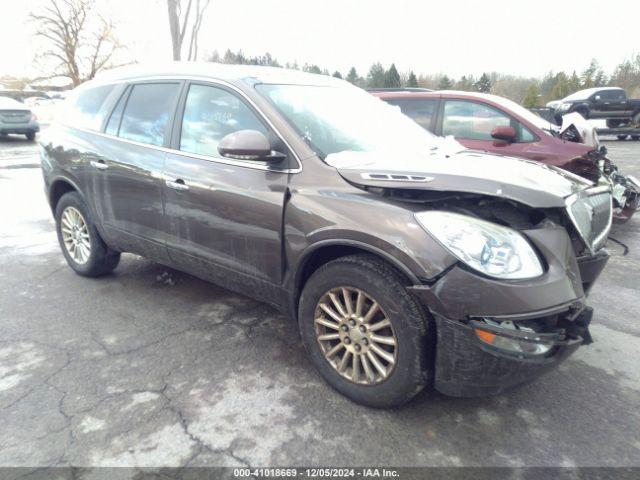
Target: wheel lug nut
column 352, row 322
column 363, row 328
column 357, row 348
column 365, row 341
column 347, row 341
column 344, row 328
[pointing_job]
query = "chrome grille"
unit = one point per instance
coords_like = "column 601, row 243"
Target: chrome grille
column 590, row 212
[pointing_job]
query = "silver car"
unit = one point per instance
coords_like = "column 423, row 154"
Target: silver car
column 16, row 117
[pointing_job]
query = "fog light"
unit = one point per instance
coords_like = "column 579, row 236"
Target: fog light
column 511, row 344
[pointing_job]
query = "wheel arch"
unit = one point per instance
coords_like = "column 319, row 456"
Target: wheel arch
column 325, row 251
column 58, row 188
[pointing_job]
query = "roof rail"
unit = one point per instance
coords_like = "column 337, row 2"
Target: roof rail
column 400, row 89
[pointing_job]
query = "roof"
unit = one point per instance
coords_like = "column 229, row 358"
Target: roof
column 586, row 93
column 210, row 70
column 11, row 104
column 399, row 89
column 432, row 93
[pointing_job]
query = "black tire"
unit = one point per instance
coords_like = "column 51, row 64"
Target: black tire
column 614, row 123
column 413, row 329
column 622, row 137
column 101, row 259
column 31, row 136
column 635, row 137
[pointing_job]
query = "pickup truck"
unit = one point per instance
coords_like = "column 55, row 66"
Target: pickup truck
column 607, row 103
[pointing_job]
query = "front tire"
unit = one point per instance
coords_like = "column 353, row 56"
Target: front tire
column 367, row 336
column 622, row 137
column 81, row 244
column 31, row 136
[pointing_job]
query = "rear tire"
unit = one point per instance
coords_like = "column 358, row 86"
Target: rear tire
column 81, row 244
column 622, row 137
column 615, row 123
column 635, row 137
column 31, row 136
column 403, row 368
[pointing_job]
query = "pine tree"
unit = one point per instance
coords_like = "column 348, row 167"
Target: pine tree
column 532, row 96
column 574, row 83
column 593, row 75
column 412, row 81
column 311, row 68
column 445, row 83
column 376, row 76
column 561, row 88
column 337, row 74
column 484, row 84
column 392, row 77
column 352, row 76
column 465, row 84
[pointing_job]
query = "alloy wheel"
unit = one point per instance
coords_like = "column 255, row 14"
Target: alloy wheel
column 75, row 235
column 355, row 335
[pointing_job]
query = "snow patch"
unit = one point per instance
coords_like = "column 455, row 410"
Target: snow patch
column 92, row 424
column 168, row 447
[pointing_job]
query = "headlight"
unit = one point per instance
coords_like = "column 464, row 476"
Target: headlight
column 565, row 106
column 489, row 248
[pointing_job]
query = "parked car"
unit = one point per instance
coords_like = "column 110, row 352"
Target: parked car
column 608, row 103
column 15, row 117
column 401, row 269
column 498, row 125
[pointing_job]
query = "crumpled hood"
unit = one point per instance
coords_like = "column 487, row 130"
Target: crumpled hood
column 587, row 132
column 452, row 169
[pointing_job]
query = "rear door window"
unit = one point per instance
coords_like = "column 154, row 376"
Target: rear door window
column 420, row 110
column 471, row 120
column 147, row 112
column 210, row 113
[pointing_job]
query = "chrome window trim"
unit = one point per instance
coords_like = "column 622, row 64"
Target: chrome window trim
column 571, row 199
column 221, row 160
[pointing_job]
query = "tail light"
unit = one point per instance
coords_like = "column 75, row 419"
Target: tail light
column 34, row 117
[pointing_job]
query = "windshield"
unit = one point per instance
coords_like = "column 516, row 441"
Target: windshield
column 338, row 119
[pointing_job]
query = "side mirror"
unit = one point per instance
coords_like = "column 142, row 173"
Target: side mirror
column 504, row 133
column 245, row 145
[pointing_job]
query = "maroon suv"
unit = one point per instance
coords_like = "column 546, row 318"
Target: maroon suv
column 498, row 125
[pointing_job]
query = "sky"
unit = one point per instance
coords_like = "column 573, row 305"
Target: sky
column 456, row 37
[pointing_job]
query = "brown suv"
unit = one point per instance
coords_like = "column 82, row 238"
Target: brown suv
column 405, row 259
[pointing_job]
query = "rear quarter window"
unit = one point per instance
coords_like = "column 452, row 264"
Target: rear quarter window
column 84, row 109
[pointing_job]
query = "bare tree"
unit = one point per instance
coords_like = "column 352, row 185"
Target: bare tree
column 80, row 43
column 180, row 24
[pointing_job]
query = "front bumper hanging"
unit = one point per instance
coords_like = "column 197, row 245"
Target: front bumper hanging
column 470, row 362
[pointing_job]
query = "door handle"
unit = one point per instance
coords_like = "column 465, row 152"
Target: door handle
column 99, row 164
column 177, row 185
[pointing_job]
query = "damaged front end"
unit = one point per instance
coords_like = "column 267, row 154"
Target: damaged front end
column 490, row 356
column 513, row 306
column 598, row 168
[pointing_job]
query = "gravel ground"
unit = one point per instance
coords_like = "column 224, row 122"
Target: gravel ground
column 151, row 367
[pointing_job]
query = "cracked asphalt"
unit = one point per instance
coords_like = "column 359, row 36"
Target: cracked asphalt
column 151, row 367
